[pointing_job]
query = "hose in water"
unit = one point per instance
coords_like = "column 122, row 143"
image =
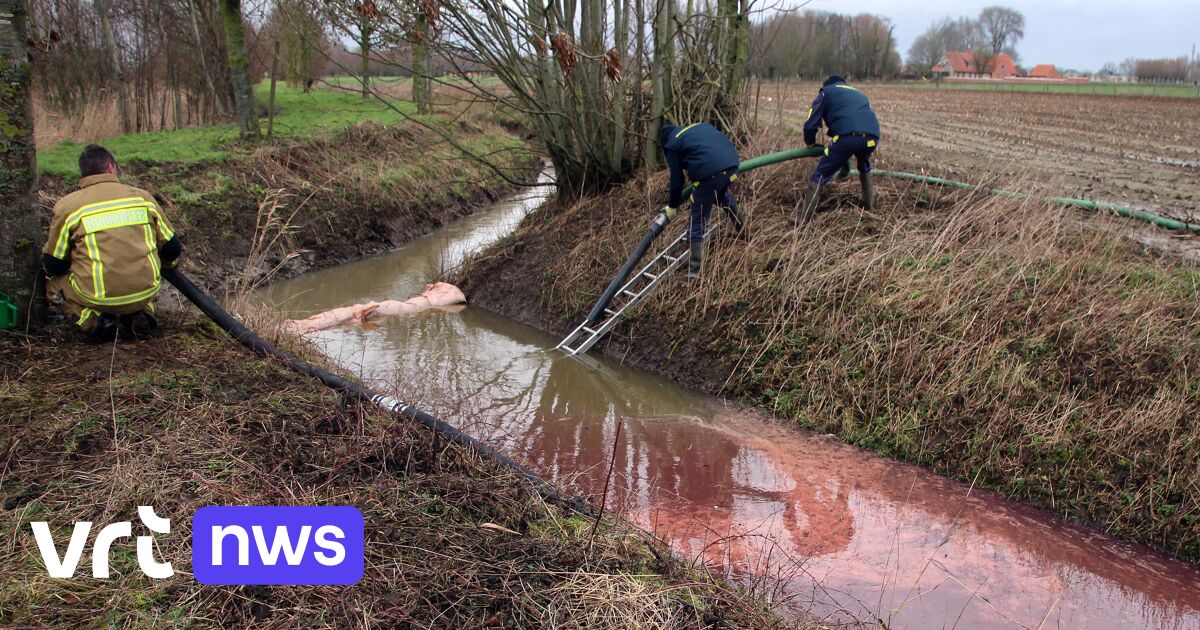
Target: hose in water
column 251, row 340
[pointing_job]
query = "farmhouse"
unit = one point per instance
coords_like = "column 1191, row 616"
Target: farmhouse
column 1044, row 71
column 962, row 65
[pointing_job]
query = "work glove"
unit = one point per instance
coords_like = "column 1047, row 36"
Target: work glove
column 670, row 212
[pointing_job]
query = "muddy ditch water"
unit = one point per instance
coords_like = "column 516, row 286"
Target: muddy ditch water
column 824, row 527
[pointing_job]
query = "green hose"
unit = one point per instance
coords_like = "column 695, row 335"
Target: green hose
column 1124, row 211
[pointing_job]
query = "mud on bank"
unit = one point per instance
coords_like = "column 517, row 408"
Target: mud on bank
column 189, row 419
column 337, row 197
column 1009, row 343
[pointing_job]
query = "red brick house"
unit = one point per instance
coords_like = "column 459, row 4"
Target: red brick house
column 1044, row 71
column 961, row 65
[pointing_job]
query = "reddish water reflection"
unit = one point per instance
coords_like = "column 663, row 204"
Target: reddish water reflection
column 849, row 534
column 853, row 535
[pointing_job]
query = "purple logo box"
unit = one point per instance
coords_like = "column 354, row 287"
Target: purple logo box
column 277, row 545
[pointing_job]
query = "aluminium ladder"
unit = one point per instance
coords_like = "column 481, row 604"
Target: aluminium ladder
column 641, row 284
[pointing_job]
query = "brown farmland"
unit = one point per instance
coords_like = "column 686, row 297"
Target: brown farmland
column 1140, row 151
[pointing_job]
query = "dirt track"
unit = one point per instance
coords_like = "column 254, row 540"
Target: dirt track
column 1140, row 151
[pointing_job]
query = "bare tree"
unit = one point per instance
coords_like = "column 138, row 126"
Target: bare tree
column 815, row 44
column 114, row 54
column 1002, row 28
column 425, row 23
column 945, row 35
column 20, row 230
column 361, row 20
column 594, row 79
column 239, row 68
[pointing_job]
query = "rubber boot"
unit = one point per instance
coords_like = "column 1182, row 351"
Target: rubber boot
column 868, row 190
column 843, row 172
column 739, row 224
column 138, row 325
column 811, row 199
column 104, row 330
column 696, row 257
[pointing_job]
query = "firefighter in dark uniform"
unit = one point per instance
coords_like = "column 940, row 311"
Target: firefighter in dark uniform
column 711, row 162
column 107, row 246
column 853, row 129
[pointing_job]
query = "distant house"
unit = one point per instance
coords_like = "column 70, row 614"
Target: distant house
column 961, row 65
column 1002, row 67
column 958, row 65
column 1044, row 71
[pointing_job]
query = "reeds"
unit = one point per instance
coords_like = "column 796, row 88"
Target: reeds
column 1039, row 347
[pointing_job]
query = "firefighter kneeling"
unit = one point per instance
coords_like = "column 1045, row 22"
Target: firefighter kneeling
column 107, row 246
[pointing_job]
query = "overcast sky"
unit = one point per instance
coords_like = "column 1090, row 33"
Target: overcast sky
column 1076, row 34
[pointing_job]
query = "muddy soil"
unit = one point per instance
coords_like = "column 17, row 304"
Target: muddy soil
column 1134, row 150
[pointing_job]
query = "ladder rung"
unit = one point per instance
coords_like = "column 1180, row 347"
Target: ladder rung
column 588, row 330
column 609, row 311
column 628, row 292
column 647, row 274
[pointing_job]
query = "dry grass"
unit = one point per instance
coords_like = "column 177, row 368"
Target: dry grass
column 1020, row 342
column 187, row 420
column 100, row 119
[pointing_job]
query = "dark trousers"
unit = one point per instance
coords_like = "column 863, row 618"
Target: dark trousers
column 838, row 153
column 710, row 192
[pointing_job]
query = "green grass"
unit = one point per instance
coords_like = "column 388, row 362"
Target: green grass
column 1122, row 89
column 299, row 115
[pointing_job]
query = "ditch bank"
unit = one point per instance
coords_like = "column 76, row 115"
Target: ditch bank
column 997, row 341
column 189, row 419
column 296, row 205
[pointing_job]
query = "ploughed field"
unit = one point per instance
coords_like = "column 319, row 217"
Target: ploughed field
column 1140, row 151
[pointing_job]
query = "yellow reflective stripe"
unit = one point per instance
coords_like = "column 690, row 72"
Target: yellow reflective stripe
column 847, row 87
column 870, row 143
column 835, row 138
column 97, row 264
column 163, row 227
column 685, row 129
column 809, row 114
column 733, row 178
column 153, row 250
column 826, row 150
column 111, row 219
column 121, row 299
column 64, row 237
column 85, row 315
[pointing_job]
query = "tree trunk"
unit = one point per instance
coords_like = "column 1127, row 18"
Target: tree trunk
column 421, row 88
column 657, row 68
column 364, row 51
column 621, row 39
column 218, row 100
column 114, row 55
column 239, row 68
column 20, row 229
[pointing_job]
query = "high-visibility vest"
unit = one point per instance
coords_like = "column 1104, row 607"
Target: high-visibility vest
column 111, row 234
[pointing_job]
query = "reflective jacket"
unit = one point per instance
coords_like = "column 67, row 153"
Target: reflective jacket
column 113, row 241
column 699, row 149
column 844, row 110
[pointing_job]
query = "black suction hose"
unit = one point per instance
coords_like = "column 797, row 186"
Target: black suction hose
column 656, row 228
column 251, row 340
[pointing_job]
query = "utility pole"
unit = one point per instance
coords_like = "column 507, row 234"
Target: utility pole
column 20, row 229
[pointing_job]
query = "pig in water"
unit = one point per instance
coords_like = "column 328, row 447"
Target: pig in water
column 439, row 295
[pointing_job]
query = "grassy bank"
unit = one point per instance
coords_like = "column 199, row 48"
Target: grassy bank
column 189, row 419
column 344, row 178
column 298, row 115
column 1021, row 345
